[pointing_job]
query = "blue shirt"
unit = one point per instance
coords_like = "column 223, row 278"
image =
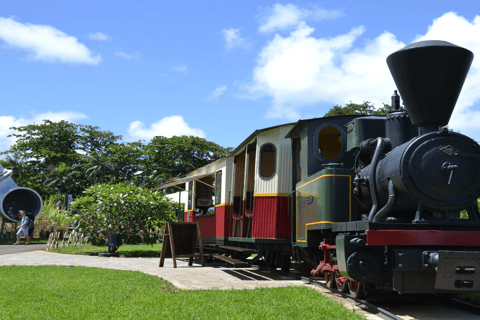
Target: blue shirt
column 26, row 221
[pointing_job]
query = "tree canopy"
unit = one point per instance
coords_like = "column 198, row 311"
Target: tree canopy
column 364, row 109
column 63, row 157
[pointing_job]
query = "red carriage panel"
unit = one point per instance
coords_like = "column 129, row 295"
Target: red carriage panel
column 271, row 218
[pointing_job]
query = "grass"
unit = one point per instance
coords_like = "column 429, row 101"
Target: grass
column 22, row 241
column 50, row 292
column 125, row 250
column 470, row 297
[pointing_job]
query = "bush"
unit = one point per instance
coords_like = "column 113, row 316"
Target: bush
column 135, row 213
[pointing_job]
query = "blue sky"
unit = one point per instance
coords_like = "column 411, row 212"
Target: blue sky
column 214, row 69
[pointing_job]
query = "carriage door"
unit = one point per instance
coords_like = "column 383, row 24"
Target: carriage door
column 250, row 186
column 238, row 194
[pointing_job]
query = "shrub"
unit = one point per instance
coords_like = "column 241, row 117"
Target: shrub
column 135, row 213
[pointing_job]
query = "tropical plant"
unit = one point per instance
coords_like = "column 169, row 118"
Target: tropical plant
column 60, row 178
column 99, row 166
column 135, row 213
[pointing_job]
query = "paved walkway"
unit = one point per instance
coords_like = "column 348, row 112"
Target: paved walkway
column 8, row 248
column 211, row 277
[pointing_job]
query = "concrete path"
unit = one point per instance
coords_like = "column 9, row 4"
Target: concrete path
column 213, row 276
column 8, row 248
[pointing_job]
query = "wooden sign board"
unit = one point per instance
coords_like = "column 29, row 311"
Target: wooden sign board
column 179, row 240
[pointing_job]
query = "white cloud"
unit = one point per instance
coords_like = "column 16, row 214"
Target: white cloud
column 45, row 43
column 234, row 40
column 128, row 56
column 217, row 92
column 286, row 16
column 300, row 70
column 182, row 68
column 98, row 36
column 167, row 127
column 10, row 121
column 459, row 31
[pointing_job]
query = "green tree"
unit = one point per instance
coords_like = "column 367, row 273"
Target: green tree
column 43, row 147
column 60, row 178
column 16, row 163
column 364, row 109
column 133, row 212
column 98, row 167
column 172, row 157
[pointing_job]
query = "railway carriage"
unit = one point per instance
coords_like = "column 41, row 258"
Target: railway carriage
column 368, row 202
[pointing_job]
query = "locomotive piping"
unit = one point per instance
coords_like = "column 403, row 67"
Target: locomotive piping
column 391, row 201
column 373, row 177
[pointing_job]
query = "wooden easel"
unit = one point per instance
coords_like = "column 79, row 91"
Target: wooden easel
column 179, row 240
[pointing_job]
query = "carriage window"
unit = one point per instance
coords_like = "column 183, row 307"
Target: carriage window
column 268, row 154
column 218, row 187
column 330, row 143
column 190, row 195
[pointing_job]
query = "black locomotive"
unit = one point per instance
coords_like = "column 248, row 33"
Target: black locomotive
column 410, row 185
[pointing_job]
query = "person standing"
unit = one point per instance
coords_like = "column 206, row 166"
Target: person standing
column 31, row 226
column 23, row 228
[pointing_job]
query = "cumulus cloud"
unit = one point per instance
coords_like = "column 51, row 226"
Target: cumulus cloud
column 167, row 127
column 127, row 56
column 234, row 40
column 299, row 70
column 10, row 121
column 217, row 92
column 456, row 29
column 285, row 16
column 45, row 43
column 182, row 68
column 98, row 36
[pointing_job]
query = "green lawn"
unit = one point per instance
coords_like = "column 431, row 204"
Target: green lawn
column 22, row 241
column 126, row 250
column 154, row 251
column 49, row 292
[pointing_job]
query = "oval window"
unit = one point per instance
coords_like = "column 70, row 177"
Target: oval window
column 267, row 160
column 330, row 143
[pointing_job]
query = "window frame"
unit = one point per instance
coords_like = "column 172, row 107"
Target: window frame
column 260, row 169
column 316, row 136
column 218, row 197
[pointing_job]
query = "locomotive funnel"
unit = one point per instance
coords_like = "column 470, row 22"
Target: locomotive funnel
column 430, row 76
column 18, row 197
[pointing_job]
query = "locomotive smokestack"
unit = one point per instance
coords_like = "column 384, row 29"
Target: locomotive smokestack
column 430, row 76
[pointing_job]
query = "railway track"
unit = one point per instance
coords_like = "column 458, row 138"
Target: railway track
column 392, row 306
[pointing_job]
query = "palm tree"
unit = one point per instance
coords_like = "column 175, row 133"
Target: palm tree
column 60, row 177
column 99, row 167
column 16, row 164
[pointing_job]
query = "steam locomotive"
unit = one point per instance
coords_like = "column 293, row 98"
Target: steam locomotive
column 367, row 201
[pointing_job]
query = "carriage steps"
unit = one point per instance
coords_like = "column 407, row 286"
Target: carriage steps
column 241, row 254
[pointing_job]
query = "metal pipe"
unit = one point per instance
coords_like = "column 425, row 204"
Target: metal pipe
column 373, row 177
column 391, row 201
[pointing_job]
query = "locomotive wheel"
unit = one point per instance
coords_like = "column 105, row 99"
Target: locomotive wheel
column 330, row 279
column 358, row 290
column 341, row 286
